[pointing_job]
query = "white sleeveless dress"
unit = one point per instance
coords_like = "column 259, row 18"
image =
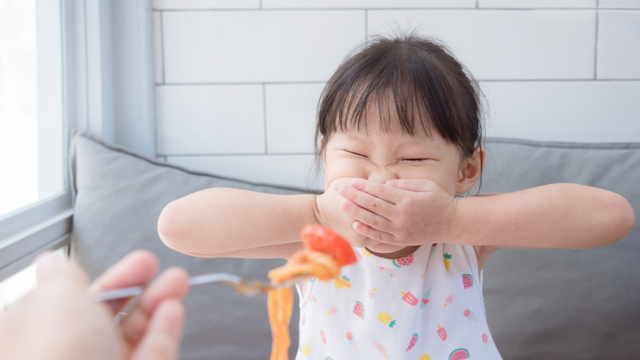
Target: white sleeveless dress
column 428, row 305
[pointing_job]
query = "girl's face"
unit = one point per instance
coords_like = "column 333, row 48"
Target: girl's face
column 380, row 156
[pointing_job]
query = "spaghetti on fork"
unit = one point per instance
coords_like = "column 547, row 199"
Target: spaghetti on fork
column 324, row 253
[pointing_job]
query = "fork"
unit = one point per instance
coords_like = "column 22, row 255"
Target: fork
column 243, row 287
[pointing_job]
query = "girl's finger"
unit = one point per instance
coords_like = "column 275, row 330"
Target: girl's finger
column 162, row 338
column 381, row 191
column 367, row 217
column 416, row 185
column 367, row 201
column 374, row 234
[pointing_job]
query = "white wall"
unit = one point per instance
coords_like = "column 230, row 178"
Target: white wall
column 238, row 81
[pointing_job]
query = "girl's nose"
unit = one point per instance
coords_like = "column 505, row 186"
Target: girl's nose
column 382, row 175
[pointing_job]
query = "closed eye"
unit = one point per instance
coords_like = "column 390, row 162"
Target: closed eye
column 415, row 160
column 355, row 153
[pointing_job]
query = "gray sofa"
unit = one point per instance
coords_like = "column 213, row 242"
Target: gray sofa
column 541, row 304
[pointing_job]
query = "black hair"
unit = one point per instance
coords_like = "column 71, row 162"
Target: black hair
column 428, row 85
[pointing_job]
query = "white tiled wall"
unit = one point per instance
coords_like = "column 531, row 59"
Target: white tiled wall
column 238, row 81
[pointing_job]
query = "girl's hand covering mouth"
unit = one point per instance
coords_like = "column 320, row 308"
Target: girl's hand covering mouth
column 400, row 212
column 329, row 214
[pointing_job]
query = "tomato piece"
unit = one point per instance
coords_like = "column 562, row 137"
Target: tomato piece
column 318, row 238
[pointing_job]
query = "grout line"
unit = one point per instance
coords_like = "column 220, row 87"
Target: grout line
column 477, row 4
column 86, row 70
column 595, row 55
column 260, row 4
column 320, row 83
column 264, row 109
column 235, row 154
column 366, row 25
column 164, row 79
column 249, row 83
column 396, row 9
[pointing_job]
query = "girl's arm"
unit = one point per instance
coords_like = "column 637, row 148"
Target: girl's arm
column 224, row 222
column 412, row 212
column 550, row 216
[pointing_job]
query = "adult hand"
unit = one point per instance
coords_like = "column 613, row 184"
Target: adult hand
column 400, row 212
column 60, row 320
column 331, row 215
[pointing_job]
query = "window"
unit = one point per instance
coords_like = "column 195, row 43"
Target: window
column 35, row 212
column 31, row 126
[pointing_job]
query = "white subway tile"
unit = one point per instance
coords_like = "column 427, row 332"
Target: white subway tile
column 210, row 119
column 258, row 46
column 288, row 170
column 532, row 4
column 619, row 4
column 366, row 4
column 291, row 117
column 157, row 45
column 205, row 4
column 618, row 44
column 583, row 111
column 506, row 44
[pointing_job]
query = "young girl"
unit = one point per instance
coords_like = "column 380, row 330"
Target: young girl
column 399, row 133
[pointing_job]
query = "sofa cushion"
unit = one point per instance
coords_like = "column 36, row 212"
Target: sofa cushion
column 118, row 196
column 564, row 303
column 541, row 304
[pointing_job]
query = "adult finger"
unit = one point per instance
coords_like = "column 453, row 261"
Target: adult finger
column 367, row 217
column 56, row 265
column 381, row 191
column 173, row 283
column 136, row 268
column 367, row 201
column 416, row 185
column 374, row 234
column 162, row 338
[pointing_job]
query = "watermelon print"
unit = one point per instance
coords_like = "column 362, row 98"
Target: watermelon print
column 358, row 309
column 412, row 343
column 405, row 261
column 459, row 354
column 467, row 281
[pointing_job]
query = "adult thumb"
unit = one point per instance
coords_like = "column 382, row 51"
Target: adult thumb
column 417, row 185
column 163, row 335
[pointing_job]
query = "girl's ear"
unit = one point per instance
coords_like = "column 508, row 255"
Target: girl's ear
column 470, row 171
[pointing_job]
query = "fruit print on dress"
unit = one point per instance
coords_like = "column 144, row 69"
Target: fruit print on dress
column 425, row 357
column 323, row 337
column 386, row 319
column 405, row 261
column 342, row 282
column 412, row 343
column 485, row 338
column 358, row 310
column 333, row 310
column 305, row 349
column 467, row 281
column 459, row 354
column 447, row 261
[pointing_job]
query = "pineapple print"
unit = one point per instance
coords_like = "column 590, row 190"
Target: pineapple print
column 365, row 252
column 386, row 319
column 342, row 282
column 425, row 357
column 447, row 262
